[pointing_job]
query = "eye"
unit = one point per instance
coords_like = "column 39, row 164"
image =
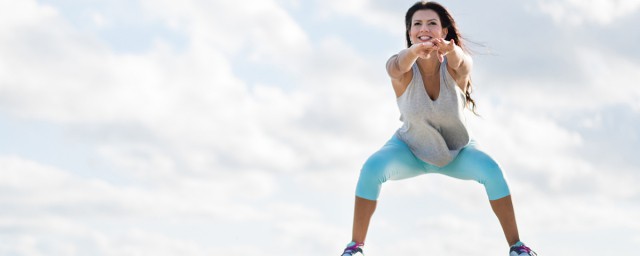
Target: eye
column 433, row 23
column 416, row 24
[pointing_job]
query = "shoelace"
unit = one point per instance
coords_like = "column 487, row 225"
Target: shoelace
column 524, row 248
column 353, row 249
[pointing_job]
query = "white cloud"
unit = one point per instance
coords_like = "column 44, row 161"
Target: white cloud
column 67, row 215
column 39, row 188
column 384, row 15
column 100, row 21
column 612, row 78
column 263, row 30
column 535, row 149
column 581, row 12
column 192, row 100
column 66, row 236
column 23, row 13
column 195, row 141
column 605, row 79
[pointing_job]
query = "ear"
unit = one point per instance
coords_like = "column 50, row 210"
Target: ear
column 444, row 32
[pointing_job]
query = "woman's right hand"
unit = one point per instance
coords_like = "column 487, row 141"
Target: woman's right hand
column 422, row 50
column 400, row 64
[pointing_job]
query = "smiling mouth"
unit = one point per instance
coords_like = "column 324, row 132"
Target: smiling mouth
column 424, row 38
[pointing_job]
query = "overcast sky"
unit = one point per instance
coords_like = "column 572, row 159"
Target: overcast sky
column 224, row 127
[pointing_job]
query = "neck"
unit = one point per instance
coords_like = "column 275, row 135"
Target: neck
column 430, row 65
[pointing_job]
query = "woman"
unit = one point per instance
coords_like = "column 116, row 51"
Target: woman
column 432, row 86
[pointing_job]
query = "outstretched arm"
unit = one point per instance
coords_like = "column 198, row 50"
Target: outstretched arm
column 457, row 59
column 399, row 64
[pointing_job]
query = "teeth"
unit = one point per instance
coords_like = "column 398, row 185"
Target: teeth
column 424, row 38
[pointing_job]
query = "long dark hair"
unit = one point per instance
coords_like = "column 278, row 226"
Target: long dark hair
column 447, row 22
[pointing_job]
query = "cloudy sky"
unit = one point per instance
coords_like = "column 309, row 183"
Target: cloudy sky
column 223, row 127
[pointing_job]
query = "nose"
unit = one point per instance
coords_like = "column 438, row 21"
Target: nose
column 424, row 27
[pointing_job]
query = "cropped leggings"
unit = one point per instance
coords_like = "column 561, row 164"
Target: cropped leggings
column 395, row 161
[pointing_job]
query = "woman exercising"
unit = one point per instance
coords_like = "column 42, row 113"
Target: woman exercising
column 432, row 85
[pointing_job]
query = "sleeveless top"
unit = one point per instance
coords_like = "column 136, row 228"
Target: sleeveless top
column 434, row 130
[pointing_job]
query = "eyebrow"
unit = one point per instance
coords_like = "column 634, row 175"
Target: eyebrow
column 427, row 20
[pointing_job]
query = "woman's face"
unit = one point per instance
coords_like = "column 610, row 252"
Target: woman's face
column 425, row 25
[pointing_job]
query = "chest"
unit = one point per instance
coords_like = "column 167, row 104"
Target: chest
column 431, row 97
column 431, row 84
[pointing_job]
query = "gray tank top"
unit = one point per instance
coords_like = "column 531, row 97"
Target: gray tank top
column 435, row 131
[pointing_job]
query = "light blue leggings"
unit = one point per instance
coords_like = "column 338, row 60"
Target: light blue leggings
column 395, row 161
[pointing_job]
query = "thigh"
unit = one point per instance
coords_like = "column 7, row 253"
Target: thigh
column 472, row 164
column 394, row 161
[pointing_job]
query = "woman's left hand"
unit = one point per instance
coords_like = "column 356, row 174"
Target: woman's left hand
column 444, row 47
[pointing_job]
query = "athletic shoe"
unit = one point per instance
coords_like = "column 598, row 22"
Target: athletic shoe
column 520, row 249
column 352, row 249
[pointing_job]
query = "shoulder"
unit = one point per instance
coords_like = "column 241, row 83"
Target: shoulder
column 401, row 83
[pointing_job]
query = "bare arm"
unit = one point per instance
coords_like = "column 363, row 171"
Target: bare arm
column 457, row 59
column 399, row 64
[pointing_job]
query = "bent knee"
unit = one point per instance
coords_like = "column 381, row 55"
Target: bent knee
column 494, row 181
column 372, row 175
column 375, row 169
column 490, row 172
